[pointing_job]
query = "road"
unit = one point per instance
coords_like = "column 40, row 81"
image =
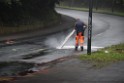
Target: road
column 107, row 30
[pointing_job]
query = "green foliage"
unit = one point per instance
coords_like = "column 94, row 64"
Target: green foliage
column 18, row 12
column 113, row 5
column 107, row 55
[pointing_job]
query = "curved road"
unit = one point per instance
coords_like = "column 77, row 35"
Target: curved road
column 107, row 29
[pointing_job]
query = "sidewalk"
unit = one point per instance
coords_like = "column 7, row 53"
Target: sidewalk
column 65, row 23
column 74, row 70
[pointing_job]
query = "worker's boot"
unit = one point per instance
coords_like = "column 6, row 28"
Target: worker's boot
column 76, row 48
column 82, row 48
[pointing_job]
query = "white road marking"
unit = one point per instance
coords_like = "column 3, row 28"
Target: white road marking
column 85, row 47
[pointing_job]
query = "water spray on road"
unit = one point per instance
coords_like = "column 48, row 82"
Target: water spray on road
column 66, row 39
column 59, row 40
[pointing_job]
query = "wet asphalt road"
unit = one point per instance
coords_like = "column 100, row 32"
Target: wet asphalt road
column 43, row 49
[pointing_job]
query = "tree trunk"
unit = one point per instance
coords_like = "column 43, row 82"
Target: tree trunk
column 72, row 3
column 113, row 4
column 96, row 5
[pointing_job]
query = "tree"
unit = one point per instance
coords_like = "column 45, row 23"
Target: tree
column 17, row 11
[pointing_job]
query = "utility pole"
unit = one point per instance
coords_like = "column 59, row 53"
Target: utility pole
column 89, row 27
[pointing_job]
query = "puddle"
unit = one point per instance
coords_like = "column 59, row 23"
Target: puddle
column 41, row 53
column 13, row 68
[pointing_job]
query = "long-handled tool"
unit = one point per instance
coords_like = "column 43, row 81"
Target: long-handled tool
column 66, row 39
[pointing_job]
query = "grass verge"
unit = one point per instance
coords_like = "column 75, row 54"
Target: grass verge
column 105, row 56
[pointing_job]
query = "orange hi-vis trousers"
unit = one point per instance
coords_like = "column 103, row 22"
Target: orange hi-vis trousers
column 79, row 39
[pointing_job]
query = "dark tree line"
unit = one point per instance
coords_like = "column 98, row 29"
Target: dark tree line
column 111, row 4
column 17, row 12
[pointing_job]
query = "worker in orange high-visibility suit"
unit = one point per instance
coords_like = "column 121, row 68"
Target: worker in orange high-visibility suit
column 79, row 39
